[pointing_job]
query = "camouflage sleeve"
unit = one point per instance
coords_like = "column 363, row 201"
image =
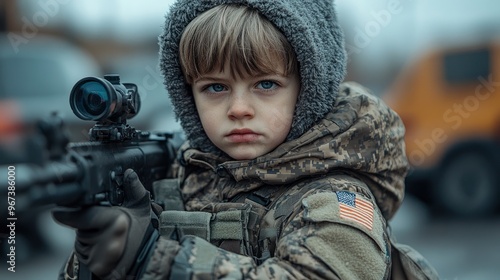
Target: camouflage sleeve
column 320, row 241
column 341, row 234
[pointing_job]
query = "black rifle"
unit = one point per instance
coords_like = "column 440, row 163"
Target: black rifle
column 90, row 173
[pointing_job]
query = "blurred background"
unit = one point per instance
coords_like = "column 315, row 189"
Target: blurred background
column 436, row 63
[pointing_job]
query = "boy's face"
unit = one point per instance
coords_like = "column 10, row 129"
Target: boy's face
column 248, row 116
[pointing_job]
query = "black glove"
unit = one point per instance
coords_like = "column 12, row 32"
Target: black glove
column 108, row 239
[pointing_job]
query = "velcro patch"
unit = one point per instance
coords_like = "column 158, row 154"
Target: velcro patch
column 353, row 207
column 347, row 208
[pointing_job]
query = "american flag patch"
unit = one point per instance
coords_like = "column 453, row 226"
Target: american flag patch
column 355, row 209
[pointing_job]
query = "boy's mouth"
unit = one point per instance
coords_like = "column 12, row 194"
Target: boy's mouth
column 242, row 135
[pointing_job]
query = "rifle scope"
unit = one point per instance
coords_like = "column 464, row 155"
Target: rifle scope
column 99, row 99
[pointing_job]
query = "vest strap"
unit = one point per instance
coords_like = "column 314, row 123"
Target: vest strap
column 185, row 223
column 208, row 226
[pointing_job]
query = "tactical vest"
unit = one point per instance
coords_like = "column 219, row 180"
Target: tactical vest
column 250, row 225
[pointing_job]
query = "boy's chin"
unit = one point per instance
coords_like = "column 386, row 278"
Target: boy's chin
column 244, row 153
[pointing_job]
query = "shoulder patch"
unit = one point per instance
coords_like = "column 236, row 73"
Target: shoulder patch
column 346, row 232
column 348, row 208
column 353, row 207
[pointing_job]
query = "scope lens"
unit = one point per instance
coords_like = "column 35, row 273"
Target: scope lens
column 94, row 98
column 91, row 100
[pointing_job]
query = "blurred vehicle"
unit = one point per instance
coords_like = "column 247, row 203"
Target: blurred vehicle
column 449, row 102
column 36, row 78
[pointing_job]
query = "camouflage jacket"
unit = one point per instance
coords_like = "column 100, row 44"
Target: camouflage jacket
column 314, row 208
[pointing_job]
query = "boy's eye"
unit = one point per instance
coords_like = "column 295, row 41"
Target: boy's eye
column 216, row 88
column 266, row 85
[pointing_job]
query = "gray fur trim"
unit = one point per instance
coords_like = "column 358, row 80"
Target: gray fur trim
column 311, row 28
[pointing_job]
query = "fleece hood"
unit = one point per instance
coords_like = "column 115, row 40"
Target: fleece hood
column 311, row 28
column 360, row 136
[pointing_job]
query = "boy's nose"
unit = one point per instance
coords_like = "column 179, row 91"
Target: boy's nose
column 240, row 107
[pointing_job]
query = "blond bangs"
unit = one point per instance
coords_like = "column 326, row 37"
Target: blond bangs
column 237, row 35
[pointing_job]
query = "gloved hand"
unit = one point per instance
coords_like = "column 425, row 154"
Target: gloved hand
column 109, row 238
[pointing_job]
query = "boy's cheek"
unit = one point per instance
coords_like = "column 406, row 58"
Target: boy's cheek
column 281, row 120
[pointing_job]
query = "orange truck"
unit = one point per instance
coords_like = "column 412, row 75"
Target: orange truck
column 449, row 101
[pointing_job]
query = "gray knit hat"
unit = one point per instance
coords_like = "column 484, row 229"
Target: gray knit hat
column 311, row 28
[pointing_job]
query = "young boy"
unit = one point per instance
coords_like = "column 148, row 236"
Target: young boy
column 286, row 174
